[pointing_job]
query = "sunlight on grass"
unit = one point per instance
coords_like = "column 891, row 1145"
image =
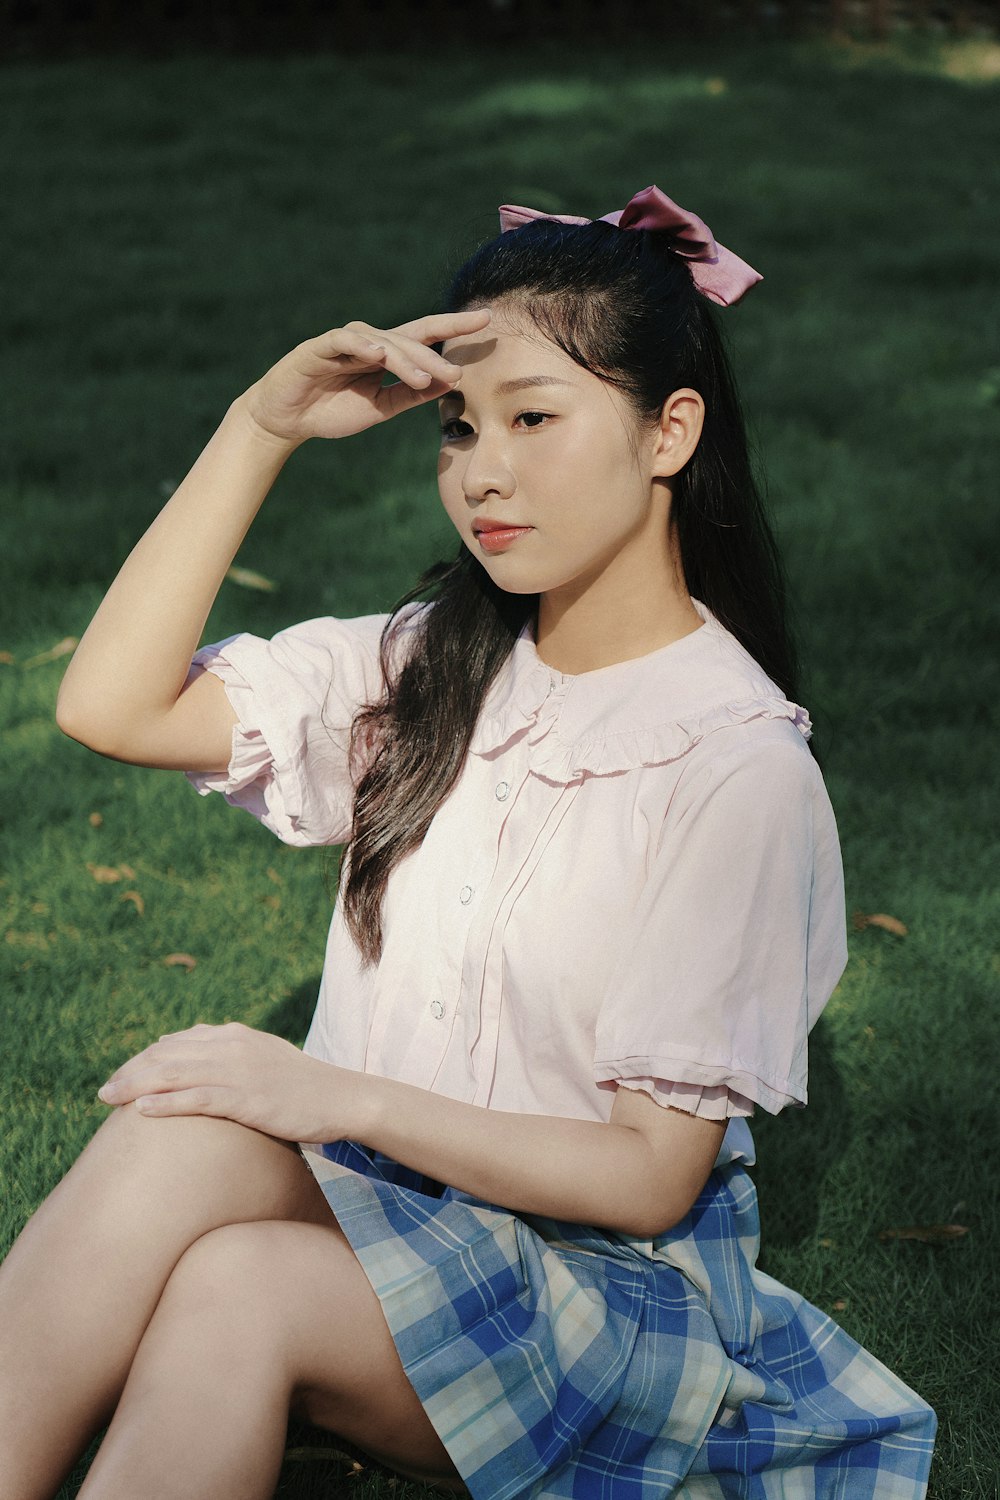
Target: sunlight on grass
column 556, row 98
column 974, row 60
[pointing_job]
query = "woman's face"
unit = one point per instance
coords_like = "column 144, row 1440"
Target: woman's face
column 532, row 442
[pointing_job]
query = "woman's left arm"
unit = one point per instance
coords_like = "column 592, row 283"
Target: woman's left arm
column 638, row 1174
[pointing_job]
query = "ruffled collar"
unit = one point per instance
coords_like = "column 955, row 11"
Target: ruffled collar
column 643, row 712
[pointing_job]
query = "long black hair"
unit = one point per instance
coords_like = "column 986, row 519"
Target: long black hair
column 623, row 305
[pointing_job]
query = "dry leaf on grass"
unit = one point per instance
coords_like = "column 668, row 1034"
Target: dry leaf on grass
column 135, row 899
column 179, row 961
column 95, row 819
column 6, row 659
column 246, row 578
column 928, row 1234
column 104, row 874
column 862, row 920
column 25, row 939
column 64, row 647
column 840, row 1304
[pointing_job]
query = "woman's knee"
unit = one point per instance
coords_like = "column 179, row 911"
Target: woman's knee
column 294, row 1297
column 234, row 1272
column 299, row 1284
column 195, row 1170
column 249, row 1284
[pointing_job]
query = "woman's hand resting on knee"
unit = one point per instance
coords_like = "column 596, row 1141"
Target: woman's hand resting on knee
column 236, row 1073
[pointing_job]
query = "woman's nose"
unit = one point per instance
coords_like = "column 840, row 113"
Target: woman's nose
column 487, row 471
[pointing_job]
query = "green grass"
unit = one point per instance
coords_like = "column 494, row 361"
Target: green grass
column 180, row 224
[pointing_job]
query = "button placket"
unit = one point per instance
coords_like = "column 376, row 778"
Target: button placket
column 472, row 897
column 488, row 981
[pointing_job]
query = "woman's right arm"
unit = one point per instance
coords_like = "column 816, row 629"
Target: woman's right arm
column 130, row 692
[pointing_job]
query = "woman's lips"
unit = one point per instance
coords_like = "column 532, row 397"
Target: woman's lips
column 499, row 538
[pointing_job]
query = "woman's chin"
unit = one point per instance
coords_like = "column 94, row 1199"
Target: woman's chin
column 512, row 579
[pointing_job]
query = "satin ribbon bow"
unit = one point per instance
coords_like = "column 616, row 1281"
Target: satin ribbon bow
column 716, row 271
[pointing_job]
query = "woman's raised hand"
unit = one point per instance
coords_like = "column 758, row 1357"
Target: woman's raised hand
column 332, row 386
column 129, row 692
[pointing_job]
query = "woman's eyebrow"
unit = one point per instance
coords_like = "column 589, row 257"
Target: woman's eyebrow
column 508, row 387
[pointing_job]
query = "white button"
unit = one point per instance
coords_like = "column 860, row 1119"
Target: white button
column 503, row 791
column 437, row 1009
column 465, row 895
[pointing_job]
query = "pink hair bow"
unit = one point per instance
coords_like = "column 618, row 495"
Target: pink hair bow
column 716, row 271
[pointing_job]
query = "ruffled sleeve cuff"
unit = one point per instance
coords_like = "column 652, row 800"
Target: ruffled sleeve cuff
column 708, row 1102
column 719, row 1089
column 254, row 779
column 301, row 793
column 296, row 698
column 250, row 758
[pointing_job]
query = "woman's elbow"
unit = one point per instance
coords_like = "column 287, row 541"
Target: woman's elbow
column 86, row 728
column 68, row 718
column 73, row 722
column 652, row 1216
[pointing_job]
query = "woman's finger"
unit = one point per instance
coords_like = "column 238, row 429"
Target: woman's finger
column 435, row 327
column 158, row 1053
column 354, row 340
column 124, row 1090
column 412, row 340
column 407, row 360
column 432, row 328
column 200, row 1101
column 152, row 1075
column 412, row 362
column 394, row 399
column 201, row 1029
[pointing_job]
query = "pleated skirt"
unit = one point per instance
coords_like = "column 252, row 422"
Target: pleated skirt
column 557, row 1360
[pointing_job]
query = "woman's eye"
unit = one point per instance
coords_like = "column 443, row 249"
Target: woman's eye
column 533, row 418
column 454, row 429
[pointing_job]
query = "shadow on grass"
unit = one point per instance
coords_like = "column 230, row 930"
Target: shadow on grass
column 797, row 1149
column 290, row 1019
column 317, row 1466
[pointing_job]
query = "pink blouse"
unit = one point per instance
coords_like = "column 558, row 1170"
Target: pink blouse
column 636, row 880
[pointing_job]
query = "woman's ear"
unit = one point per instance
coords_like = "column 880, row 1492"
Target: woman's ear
column 681, row 421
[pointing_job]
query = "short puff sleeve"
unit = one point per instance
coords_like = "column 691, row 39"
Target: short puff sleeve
column 737, row 940
column 295, row 697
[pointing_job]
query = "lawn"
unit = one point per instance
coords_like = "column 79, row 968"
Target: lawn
column 175, row 226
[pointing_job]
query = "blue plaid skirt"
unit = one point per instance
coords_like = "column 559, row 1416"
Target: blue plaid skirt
column 557, row 1360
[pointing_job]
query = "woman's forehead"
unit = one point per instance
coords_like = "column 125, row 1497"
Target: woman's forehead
column 510, row 348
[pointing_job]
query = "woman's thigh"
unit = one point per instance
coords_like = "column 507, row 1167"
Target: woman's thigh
column 85, row 1276
column 303, row 1285
column 175, row 1178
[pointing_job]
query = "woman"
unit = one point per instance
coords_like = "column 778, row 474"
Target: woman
column 591, row 906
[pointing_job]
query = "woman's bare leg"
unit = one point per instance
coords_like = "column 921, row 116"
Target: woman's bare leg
column 255, row 1319
column 83, row 1279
